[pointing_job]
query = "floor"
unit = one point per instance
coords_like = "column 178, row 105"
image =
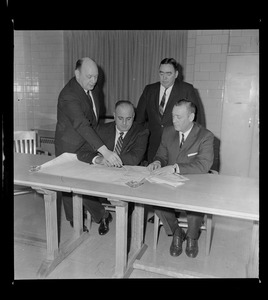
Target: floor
column 95, row 258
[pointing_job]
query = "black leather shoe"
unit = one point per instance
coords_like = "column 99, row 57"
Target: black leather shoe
column 176, row 245
column 191, row 247
column 104, row 224
column 84, row 227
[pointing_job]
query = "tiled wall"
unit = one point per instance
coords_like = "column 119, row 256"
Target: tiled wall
column 38, row 77
column 207, row 52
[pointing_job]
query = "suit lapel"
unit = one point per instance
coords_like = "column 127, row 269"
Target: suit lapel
column 128, row 138
column 190, row 138
column 155, row 97
column 173, row 97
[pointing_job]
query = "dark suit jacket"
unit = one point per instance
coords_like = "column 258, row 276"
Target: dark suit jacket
column 133, row 148
column 76, row 121
column 196, row 154
column 148, row 111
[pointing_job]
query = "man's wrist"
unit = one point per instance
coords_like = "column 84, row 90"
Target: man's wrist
column 176, row 169
column 96, row 159
column 103, row 149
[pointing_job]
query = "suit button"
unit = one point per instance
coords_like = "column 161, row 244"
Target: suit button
column 162, row 126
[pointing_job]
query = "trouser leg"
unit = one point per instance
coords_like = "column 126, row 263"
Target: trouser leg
column 194, row 220
column 68, row 205
column 168, row 218
column 94, row 206
column 91, row 203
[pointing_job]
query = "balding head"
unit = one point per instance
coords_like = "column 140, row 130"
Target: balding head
column 86, row 73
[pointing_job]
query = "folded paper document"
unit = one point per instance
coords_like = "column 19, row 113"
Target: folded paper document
column 169, row 179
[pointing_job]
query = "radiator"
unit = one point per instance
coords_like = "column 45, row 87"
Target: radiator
column 47, row 144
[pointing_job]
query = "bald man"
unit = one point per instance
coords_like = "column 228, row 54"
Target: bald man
column 77, row 120
column 134, row 144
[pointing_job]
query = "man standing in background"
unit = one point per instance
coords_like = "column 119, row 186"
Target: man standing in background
column 157, row 100
column 77, row 119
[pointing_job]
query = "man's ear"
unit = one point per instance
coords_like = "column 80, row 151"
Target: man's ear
column 191, row 117
column 76, row 73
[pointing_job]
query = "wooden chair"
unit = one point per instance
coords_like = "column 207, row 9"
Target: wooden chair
column 25, row 142
column 182, row 220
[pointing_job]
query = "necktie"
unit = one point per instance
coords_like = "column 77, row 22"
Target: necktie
column 119, row 144
column 182, row 140
column 90, row 99
column 162, row 103
column 91, row 103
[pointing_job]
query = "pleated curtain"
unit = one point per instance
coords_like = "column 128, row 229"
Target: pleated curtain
column 127, row 59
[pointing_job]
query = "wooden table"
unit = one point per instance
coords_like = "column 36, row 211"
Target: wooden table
column 213, row 194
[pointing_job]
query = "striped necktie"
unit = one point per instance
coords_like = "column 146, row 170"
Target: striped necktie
column 119, row 144
column 182, row 140
column 162, row 103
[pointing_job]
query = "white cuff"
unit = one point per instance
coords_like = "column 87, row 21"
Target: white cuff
column 176, row 169
column 94, row 159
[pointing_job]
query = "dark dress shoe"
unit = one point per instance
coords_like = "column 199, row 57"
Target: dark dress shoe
column 104, row 224
column 176, row 245
column 191, row 247
column 84, row 227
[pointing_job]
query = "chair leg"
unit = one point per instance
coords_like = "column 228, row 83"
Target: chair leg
column 208, row 233
column 156, row 229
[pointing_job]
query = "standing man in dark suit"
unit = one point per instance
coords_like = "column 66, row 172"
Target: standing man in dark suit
column 126, row 138
column 77, row 119
column 185, row 148
column 157, row 101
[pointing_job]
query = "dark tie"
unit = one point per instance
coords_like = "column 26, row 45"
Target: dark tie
column 182, row 140
column 162, row 103
column 119, row 144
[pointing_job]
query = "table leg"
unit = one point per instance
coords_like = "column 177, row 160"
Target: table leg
column 137, row 226
column 121, row 239
column 137, row 237
column 78, row 215
column 56, row 255
column 253, row 262
column 50, row 198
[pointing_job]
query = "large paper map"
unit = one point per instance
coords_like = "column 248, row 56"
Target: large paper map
column 68, row 165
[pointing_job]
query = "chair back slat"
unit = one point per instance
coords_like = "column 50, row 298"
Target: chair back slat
column 25, row 142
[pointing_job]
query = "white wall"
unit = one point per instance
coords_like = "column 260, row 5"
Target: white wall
column 38, row 77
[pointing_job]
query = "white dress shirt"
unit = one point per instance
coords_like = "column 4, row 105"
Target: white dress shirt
column 93, row 103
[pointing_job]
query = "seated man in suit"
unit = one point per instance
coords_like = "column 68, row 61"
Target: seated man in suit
column 185, row 148
column 128, row 139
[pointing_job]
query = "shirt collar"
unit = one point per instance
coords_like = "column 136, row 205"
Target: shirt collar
column 186, row 133
column 162, row 88
column 118, row 132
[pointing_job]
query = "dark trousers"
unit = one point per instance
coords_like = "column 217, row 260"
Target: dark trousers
column 91, row 203
column 170, row 222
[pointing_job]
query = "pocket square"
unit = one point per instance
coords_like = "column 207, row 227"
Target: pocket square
column 192, row 154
